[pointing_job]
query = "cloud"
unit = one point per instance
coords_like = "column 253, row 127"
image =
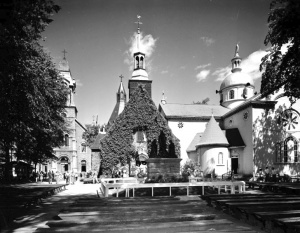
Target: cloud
column 202, row 66
column 164, row 72
column 182, row 67
column 147, row 45
column 79, row 83
column 249, row 65
column 208, row 41
column 202, row 75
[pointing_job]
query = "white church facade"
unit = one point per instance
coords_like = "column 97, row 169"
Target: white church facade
column 243, row 134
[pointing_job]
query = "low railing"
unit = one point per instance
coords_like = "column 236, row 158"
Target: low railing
column 216, row 184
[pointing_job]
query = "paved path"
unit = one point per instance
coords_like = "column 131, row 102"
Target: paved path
column 38, row 216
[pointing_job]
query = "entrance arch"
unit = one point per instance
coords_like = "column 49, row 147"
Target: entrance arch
column 64, row 164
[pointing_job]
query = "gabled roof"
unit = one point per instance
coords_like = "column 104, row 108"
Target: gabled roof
column 213, row 135
column 96, row 145
column 195, row 141
column 203, row 111
column 234, row 138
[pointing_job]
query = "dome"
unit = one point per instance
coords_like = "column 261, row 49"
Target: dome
column 236, row 78
column 140, row 74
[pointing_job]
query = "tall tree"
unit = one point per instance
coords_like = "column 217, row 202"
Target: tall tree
column 282, row 69
column 32, row 93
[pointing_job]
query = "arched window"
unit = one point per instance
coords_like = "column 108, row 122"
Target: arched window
column 67, row 140
column 220, row 158
column 140, row 136
column 141, row 62
column 136, row 62
column 83, row 166
column 290, row 148
column 231, row 94
column 83, row 148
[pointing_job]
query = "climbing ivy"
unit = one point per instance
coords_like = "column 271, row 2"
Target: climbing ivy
column 139, row 114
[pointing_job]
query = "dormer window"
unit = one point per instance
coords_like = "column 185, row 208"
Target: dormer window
column 231, row 94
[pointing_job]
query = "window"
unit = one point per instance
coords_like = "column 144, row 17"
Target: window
column 83, row 166
column 220, row 158
column 231, row 94
column 288, row 152
column 66, row 140
column 83, row 148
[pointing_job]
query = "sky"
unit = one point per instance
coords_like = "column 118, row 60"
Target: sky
column 188, row 44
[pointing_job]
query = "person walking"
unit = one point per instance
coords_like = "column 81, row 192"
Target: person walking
column 95, row 179
column 50, row 177
column 67, row 177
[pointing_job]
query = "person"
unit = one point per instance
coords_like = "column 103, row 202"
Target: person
column 56, row 176
column 273, row 175
column 260, row 175
column 267, row 174
column 67, row 177
column 76, row 176
column 50, row 177
column 95, row 180
column 72, row 178
column 41, row 176
column 125, row 175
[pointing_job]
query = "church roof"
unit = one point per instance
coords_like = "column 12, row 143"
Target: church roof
column 194, row 142
column 234, row 138
column 192, row 110
column 213, row 135
column 96, row 144
column 114, row 113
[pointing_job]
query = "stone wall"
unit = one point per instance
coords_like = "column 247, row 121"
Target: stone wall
column 163, row 166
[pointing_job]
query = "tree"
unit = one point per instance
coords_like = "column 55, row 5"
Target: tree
column 282, row 69
column 205, row 101
column 33, row 94
column 139, row 114
column 91, row 133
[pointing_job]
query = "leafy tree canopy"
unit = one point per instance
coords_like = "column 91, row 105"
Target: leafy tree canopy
column 33, row 94
column 282, row 68
column 205, row 101
column 139, row 114
column 91, row 133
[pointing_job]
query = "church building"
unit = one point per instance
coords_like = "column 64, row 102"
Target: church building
column 244, row 133
column 74, row 155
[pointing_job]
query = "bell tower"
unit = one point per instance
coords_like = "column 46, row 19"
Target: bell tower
column 139, row 74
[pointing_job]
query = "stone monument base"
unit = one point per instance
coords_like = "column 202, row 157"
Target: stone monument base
column 163, row 166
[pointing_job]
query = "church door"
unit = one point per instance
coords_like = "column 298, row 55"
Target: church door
column 234, row 165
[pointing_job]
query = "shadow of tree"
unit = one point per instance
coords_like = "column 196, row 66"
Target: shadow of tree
column 267, row 131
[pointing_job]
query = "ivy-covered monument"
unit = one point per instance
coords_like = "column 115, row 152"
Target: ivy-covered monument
column 140, row 135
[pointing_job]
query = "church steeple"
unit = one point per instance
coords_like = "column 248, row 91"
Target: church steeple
column 120, row 105
column 139, row 74
column 121, row 94
column 236, row 61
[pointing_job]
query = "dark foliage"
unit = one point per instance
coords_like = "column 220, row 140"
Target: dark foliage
column 140, row 113
column 282, row 69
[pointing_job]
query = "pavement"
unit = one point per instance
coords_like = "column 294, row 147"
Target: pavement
column 39, row 215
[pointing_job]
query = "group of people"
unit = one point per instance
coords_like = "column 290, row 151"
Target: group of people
column 267, row 175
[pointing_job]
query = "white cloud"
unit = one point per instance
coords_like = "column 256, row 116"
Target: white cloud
column 182, row 67
column 249, row 65
column 202, row 75
column 202, row 66
column 208, row 41
column 147, row 45
column 164, row 72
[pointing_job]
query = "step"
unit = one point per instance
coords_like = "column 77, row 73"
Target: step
column 130, row 219
column 149, row 227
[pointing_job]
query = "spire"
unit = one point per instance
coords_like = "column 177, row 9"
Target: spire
column 236, row 60
column 163, row 99
column 213, row 135
column 139, row 67
column 121, row 94
column 138, row 33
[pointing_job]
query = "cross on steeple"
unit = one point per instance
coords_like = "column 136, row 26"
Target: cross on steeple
column 64, row 52
column 138, row 22
column 121, row 76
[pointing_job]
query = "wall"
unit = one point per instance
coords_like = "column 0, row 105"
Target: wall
column 209, row 160
column 267, row 131
column 186, row 134
column 237, row 120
